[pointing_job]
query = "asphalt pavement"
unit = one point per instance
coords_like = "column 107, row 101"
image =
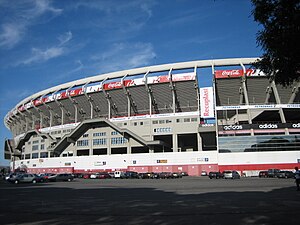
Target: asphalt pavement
column 190, row 200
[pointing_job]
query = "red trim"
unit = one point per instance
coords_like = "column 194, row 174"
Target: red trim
column 192, row 170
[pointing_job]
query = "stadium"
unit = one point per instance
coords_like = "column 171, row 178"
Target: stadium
column 161, row 118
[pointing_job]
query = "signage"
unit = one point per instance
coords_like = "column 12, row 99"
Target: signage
column 206, row 102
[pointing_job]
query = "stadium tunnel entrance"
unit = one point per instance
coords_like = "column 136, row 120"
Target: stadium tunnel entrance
column 187, row 142
column 166, row 139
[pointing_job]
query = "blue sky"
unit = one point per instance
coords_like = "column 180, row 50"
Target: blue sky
column 44, row 43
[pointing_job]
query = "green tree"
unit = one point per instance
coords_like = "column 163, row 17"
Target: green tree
column 279, row 38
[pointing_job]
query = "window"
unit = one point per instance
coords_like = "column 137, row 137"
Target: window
column 99, row 134
column 114, row 133
column 44, row 155
column 101, row 141
column 162, row 121
column 125, row 124
column 194, row 119
column 135, row 124
column 27, row 156
column 186, row 120
column 35, row 147
column 83, row 143
column 177, row 120
column 155, row 122
column 35, row 142
column 85, row 135
column 168, row 121
column 42, row 147
column 35, row 155
column 118, row 141
column 141, row 123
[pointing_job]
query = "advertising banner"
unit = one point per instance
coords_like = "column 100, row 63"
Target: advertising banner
column 206, row 102
column 237, row 73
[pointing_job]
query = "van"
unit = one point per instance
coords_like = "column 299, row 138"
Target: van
column 119, row 174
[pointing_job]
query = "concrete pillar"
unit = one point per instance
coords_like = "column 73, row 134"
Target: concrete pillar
column 175, row 142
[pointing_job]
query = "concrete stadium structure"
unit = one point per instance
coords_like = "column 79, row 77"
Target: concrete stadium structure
column 159, row 118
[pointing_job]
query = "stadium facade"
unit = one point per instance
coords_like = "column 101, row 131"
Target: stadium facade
column 160, row 119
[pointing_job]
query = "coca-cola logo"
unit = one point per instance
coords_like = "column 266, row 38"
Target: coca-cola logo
column 114, row 85
column 233, row 127
column 231, row 73
column 268, row 126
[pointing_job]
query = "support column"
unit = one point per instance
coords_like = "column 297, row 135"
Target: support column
column 199, row 142
column 129, row 146
column 175, row 142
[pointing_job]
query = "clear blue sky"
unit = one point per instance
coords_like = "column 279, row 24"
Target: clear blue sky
column 45, row 43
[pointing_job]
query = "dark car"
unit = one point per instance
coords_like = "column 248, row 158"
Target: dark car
column 104, row 175
column 131, row 175
column 184, row 174
column 23, row 178
column 176, row 175
column 145, row 175
column 61, row 177
column 273, row 172
column 165, row 175
column 39, row 178
column 216, row 175
column 285, row 174
column 263, row 173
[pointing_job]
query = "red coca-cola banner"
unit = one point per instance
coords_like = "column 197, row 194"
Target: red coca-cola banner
column 237, row 73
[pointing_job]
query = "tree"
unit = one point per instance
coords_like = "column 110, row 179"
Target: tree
column 279, row 39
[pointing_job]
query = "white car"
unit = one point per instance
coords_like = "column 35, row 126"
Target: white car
column 94, row 176
column 231, row 174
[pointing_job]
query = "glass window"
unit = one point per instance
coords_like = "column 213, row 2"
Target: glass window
column 35, row 147
column 44, row 155
column 101, row 141
column 155, row 122
column 118, row 140
column 34, row 155
column 261, row 143
column 186, row 120
column 83, row 143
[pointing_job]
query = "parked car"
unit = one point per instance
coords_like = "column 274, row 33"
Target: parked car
column 203, row 173
column 263, row 173
column 61, row 177
column 94, row 176
column 23, row 178
column 131, row 175
column 165, row 175
column 184, row 174
column 285, row 174
column 86, row 176
column 145, row 175
column 231, row 174
column 273, row 172
column 46, row 175
column 119, row 175
column 176, row 175
column 39, row 178
column 104, row 175
column 216, row 175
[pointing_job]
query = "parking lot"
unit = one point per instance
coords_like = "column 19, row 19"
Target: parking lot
column 190, row 200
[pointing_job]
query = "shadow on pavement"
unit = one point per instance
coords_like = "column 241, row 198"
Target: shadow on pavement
column 52, row 205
